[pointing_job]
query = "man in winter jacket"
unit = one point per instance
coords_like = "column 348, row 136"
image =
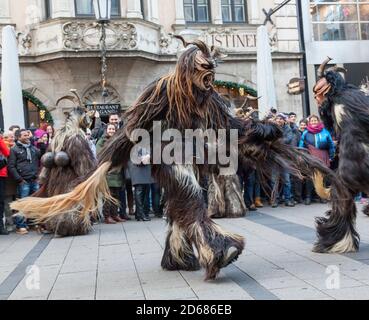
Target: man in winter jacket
column 23, row 166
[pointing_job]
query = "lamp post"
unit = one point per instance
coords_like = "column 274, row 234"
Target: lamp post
column 102, row 12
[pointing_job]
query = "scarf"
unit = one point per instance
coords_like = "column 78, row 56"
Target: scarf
column 28, row 149
column 316, row 129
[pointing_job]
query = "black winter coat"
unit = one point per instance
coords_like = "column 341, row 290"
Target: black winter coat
column 21, row 168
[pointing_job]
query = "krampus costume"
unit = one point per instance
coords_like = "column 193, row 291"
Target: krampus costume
column 345, row 111
column 68, row 159
column 183, row 99
column 225, row 199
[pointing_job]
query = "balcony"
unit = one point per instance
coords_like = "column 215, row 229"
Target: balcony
column 131, row 37
column 78, row 37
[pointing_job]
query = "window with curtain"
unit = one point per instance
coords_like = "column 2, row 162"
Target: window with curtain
column 233, row 10
column 196, row 10
column 86, row 8
column 340, row 20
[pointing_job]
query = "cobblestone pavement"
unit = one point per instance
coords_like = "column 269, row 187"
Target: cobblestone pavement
column 122, row 261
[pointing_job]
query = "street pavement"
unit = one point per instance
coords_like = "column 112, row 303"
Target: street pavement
column 122, row 261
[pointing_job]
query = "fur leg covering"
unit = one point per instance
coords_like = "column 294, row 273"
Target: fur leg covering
column 216, row 247
column 178, row 252
column 336, row 232
column 63, row 211
column 190, row 225
column 225, row 197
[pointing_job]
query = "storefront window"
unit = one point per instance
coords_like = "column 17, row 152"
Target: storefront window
column 86, row 8
column 233, row 11
column 340, row 20
column 196, row 10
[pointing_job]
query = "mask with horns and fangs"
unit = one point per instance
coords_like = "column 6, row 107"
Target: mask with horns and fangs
column 322, row 87
column 84, row 114
column 205, row 62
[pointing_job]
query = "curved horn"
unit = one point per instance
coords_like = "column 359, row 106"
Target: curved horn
column 70, row 98
column 216, row 53
column 184, row 42
column 252, row 98
column 201, row 45
column 322, row 67
column 74, row 91
column 338, row 69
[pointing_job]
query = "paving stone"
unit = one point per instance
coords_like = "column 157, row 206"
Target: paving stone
column 169, row 293
column 40, row 290
column 80, row 286
column 305, row 292
column 356, row 293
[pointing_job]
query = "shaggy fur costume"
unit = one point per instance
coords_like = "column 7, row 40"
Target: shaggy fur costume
column 345, row 111
column 186, row 99
column 225, row 199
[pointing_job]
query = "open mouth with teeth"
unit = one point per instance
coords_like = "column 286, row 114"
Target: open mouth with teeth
column 208, row 80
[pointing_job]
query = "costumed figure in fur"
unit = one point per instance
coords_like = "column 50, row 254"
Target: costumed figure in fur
column 225, row 199
column 183, row 99
column 68, row 159
column 344, row 109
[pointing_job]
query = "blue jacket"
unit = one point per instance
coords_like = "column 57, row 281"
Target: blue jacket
column 322, row 140
column 287, row 134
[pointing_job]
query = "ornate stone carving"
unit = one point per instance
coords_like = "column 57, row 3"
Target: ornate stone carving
column 24, row 42
column 94, row 95
column 85, row 36
column 164, row 41
column 273, row 39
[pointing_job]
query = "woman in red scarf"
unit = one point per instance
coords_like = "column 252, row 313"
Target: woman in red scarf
column 320, row 144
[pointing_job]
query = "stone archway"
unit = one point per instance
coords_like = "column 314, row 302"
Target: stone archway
column 110, row 103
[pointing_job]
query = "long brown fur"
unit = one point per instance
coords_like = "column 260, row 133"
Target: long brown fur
column 83, row 200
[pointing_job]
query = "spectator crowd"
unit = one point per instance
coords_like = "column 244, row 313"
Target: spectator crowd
column 138, row 194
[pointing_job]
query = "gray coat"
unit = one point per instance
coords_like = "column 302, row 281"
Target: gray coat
column 140, row 174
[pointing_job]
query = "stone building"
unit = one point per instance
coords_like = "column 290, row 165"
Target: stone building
column 340, row 30
column 59, row 47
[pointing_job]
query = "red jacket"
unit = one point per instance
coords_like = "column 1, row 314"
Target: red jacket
column 5, row 152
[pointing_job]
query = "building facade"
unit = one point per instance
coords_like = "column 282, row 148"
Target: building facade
column 59, row 47
column 340, row 30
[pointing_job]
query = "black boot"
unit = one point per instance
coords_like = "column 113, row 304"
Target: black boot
column 140, row 205
column 3, row 231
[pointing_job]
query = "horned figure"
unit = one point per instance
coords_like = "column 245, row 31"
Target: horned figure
column 344, row 109
column 68, row 159
column 183, row 99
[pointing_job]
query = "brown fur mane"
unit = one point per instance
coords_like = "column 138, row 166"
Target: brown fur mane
column 176, row 99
